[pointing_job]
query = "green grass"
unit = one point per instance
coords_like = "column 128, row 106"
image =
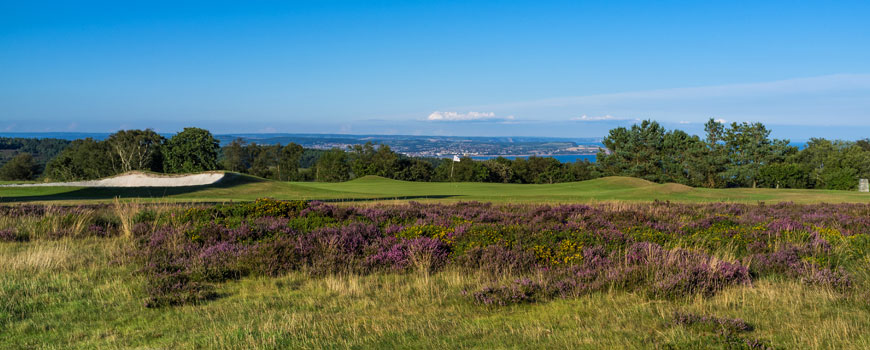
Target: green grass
column 243, row 188
column 82, row 294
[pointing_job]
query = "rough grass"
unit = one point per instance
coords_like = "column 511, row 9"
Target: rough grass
column 82, row 294
column 371, row 188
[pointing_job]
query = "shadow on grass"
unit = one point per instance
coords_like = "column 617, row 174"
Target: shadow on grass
column 98, row 193
column 232, row 180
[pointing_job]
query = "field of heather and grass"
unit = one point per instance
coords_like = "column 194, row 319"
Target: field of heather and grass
column 291, row 274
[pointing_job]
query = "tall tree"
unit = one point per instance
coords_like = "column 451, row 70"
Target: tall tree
column 634, row 152
column 361, row 159
column 385, row 162
column 191, row 150
column 235, row 156
column 288, row 164
column 137, row 150
column 332, row 166
column 749, row 149
column 713, row 165
column 264, row 159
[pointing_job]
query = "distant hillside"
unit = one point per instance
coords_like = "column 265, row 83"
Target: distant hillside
column 421, row 146
column 42, row 149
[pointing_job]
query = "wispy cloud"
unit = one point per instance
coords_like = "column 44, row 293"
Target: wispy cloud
column 438, row 116
column 780, row 87
column 800, row 101
column 607, row 117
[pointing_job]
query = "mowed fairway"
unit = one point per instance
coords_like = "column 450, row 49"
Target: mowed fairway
column 371, row 188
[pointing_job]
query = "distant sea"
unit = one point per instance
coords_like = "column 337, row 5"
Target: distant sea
column 564, row 158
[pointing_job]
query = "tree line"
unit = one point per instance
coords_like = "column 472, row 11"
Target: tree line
column 25, row 158
column 735, row 155
column 292, row 162
column 191, row 150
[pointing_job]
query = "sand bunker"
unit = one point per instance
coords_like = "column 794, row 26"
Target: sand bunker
column 138, row 179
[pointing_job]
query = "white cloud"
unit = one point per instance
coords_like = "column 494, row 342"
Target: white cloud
column 685, row 122
column 720, row 120
column 465, row 117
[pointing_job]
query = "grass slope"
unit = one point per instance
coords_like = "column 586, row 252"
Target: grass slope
column 81, row 294
column 243, row 187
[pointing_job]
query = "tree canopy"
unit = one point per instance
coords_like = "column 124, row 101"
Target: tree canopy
column 191, row 150
column 22, row 167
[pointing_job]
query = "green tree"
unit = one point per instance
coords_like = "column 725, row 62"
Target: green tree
column 192, row 150
column 466, row 170
column 635, row 152
column 385, row 162
column 42, row 150
column 360, row 158
column 682, row 158
column 783, row 175
column 582, row 170
column 137, row 150
column 332, row 166
column 263, row 159
column 368, row 159
column 288, row 164
column 84, row 159
column 234, row 156
column 500, row 170
column 415, row 170
column 749, row 149
column 714, row 162
column 834, row 164
column 22, row 167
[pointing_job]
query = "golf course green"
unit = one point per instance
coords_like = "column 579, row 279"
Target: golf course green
column 238, row 187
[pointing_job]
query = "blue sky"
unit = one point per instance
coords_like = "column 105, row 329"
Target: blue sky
column 521, row 68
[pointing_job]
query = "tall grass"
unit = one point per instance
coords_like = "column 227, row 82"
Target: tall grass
column 125, row 211
column 85, row 304
column 79, row 291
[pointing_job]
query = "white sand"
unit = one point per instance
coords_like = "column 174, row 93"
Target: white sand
column 138, row 179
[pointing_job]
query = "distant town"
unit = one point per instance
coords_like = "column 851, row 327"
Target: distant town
column 411, row 145
column 437, row 146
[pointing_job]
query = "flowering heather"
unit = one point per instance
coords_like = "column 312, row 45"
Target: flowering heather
column 11, row 235
column 423, row 253
column 727, row 333
column 664, row 250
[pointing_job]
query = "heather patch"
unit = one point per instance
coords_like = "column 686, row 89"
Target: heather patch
column 529, row 253
column 662, row 250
